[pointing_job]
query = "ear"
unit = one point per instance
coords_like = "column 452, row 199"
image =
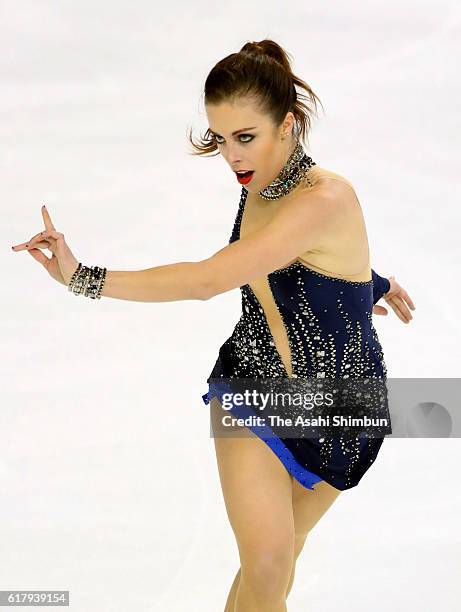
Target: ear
column 288, row 123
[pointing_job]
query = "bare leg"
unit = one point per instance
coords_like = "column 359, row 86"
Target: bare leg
column 308, row 508
column 257, row 492
column 230, row 603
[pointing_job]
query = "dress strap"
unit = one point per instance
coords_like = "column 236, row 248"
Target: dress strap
column 238, row 219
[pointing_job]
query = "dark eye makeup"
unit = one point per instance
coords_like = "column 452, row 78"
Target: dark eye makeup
column 250, row 136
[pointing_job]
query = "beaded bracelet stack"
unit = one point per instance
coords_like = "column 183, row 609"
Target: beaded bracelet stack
column 88, row 281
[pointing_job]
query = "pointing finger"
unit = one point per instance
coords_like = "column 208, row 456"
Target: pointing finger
column 24, row 245
column 47, row 219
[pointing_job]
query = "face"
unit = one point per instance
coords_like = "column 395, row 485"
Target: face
column 249, row 140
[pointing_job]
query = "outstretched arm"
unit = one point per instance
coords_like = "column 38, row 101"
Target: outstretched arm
column 178, row 281
column 297, row 227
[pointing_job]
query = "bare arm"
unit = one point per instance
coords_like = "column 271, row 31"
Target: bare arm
column 168, row 283
column 297, row 227
column 293, row 230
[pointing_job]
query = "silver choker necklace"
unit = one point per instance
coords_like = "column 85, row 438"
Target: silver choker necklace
column 292, row 173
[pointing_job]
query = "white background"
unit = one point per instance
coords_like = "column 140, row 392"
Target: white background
column 108, row 478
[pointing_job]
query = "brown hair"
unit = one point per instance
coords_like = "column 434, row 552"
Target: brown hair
column 262, row 71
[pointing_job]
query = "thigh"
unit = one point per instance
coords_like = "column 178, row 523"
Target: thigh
column 309, row 506
column 257, row 491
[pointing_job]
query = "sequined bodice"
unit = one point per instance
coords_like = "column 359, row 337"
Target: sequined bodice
column 328, row 324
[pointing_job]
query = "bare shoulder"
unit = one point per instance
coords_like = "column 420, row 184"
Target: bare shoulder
column 328, row 182
column 337, row 193
column 328, row 189
column 342, row 248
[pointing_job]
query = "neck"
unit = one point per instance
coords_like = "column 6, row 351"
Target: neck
column 297, row 163
column 291, row 147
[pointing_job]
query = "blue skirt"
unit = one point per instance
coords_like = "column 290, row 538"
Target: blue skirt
column 304, row 476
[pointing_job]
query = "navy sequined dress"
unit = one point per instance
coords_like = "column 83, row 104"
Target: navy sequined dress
column 330, row 332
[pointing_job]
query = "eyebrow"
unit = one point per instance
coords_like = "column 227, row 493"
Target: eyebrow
column 233, row 133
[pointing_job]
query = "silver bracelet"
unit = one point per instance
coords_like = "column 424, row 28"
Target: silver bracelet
column 88, row 281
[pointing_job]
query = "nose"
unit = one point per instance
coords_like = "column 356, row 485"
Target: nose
column 234, row 159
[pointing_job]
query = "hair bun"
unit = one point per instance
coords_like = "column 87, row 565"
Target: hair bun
column 268, row 48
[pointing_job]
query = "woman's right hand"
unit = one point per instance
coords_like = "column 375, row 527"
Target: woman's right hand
column 62, row 263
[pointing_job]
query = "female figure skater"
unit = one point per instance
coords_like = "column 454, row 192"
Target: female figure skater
column 299, row 254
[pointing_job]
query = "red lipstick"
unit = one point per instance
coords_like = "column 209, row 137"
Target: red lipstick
column 245, row 178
